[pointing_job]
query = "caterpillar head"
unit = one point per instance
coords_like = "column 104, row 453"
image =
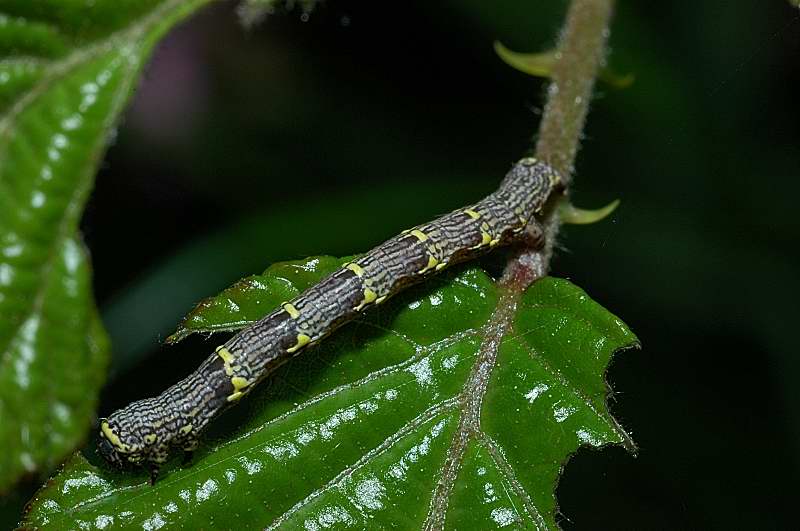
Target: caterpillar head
column 120, row 445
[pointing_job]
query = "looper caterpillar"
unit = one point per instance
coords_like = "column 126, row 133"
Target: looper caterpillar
column 143, row 432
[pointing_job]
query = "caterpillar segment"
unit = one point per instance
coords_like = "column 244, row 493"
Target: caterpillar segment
column 144, row 432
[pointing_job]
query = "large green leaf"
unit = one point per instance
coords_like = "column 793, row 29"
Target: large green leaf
column 414, row 413
column 66, row 71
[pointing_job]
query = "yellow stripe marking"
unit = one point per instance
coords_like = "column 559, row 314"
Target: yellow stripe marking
column 494, row 242
column 369, row 297
column 291, row 310
column 381, row 299
column 225, row 354
column 441, row 266
column 471, row 213
column 421, row 236
column 113, row 438
column 227, row 359
column 302, row 340
column 432, row 261
column 239, row 383
column 235, row 396
column 487, row 238
column 355, row 268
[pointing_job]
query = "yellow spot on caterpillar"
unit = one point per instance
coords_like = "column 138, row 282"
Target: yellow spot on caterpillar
column 291, row 310
column 487, row 238
column 225, row 354
column 381, row 299
column 113, row 438
column 355, row 268
column 150, row 438
column 186, row 429
column 471, row 213
column 302, row 340
column 239, row 383
column 484, row 226
column 227, row 358
column 369, row 297
column 441, row 266
column 432, row 261
column 494, row 242
column 421, row 236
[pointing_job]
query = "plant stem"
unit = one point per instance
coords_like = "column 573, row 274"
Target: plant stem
column 580, row 55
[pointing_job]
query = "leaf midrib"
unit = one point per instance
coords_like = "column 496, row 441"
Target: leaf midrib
column 472, row 395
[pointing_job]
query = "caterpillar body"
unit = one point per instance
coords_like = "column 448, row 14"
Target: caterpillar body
column 144, row 432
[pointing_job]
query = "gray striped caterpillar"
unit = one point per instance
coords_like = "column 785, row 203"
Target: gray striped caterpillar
column 144, row 432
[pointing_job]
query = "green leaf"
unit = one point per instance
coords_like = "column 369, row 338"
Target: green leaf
column 405, row 416
column 66, row 71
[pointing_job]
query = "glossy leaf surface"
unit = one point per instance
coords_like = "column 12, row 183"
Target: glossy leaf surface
column 66, row 71
column 356, row 433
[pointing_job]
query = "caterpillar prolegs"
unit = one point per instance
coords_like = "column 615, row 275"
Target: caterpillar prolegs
column 144, row 432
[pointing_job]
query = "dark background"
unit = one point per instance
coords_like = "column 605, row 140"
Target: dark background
column 325, row 134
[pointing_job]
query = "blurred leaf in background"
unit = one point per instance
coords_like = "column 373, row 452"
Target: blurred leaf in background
column 65, row 74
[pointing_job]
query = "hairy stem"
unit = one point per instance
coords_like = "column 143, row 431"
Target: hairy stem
column 579, row 57
column 580, row 54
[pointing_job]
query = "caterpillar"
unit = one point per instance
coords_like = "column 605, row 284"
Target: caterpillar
column 144, row 432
